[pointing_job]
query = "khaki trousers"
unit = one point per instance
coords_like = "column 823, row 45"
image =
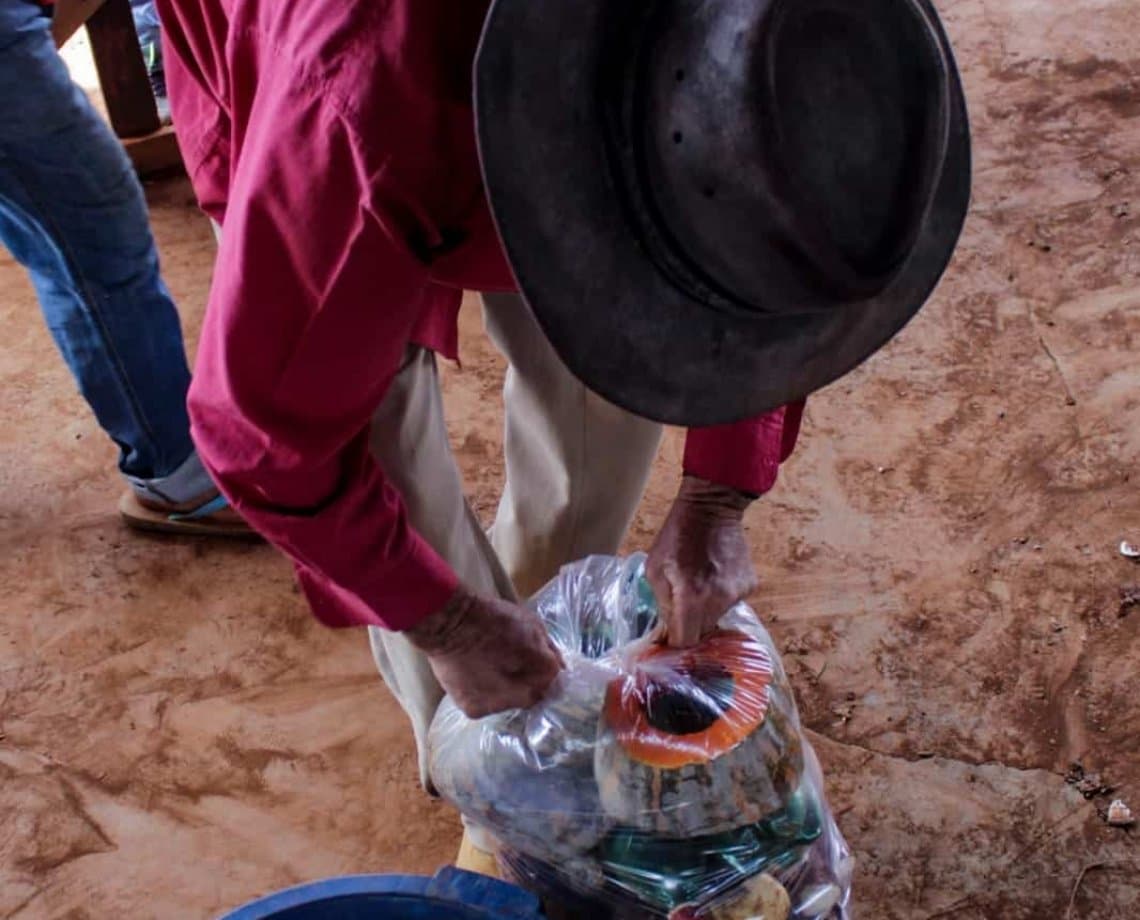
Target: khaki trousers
column 576, row 467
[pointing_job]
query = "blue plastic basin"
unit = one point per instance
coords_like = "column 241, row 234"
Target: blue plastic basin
column 451, row 895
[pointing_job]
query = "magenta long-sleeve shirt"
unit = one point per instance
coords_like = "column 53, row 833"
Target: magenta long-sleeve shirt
column 335, row 141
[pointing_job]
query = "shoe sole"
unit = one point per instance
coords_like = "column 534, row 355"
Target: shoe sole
column 139, row 517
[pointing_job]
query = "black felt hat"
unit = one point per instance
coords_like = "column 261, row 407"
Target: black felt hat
column 714, row 207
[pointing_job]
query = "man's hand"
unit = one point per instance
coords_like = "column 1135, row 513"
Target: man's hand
column 699, row 565
column 489, row 655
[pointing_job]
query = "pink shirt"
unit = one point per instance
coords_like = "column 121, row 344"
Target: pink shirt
column 336, row 139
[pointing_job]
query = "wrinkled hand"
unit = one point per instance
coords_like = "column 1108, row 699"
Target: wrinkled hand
column 700, row 565
column 489, row 655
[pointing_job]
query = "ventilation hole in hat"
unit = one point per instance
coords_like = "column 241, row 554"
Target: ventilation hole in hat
column 710, row 192
column 680, row 75
column 677, row 137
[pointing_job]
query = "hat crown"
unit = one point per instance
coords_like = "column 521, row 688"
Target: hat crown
column 812, row 131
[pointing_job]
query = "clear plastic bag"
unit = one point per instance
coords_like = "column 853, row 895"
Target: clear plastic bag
column 652, row 782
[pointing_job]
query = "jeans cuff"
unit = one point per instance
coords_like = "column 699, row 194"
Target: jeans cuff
column 188, row 482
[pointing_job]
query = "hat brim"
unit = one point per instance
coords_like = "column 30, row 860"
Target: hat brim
column 615, row 320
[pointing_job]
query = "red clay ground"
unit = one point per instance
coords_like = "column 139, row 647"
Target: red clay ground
column 177, row 736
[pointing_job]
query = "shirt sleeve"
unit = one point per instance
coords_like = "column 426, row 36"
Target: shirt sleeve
column 745, row 455
column 194, row 65
column 313, row 302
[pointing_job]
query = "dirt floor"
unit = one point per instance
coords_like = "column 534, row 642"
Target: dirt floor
column 940, row 561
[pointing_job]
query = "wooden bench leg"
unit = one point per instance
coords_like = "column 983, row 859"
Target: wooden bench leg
column 122, row 71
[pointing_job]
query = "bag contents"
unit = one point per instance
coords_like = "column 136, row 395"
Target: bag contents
column 652, row 782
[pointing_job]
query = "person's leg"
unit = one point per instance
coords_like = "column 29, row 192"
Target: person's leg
column 576, row 464
column 148, row 28
column 409, row 440
column 72, row 212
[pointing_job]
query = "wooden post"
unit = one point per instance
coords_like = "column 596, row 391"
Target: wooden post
column 68, row 17
column 122, row 72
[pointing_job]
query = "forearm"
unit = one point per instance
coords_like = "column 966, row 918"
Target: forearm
column 312, row 306
column 342, row 524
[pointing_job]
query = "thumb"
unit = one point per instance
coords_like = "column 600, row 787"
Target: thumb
column 661, row 579
column 682, row 628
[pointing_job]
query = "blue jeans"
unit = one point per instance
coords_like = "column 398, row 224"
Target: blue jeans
column 72, row 212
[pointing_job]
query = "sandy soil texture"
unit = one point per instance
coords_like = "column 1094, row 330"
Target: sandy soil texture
column 940, row 562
